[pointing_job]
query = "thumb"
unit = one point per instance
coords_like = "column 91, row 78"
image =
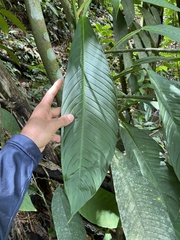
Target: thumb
column 65, row 120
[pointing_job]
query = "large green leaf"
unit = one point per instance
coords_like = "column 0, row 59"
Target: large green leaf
column 168, row 94
column 163, row 3
column 66, row 230
column 154, row 187
column 88, row 144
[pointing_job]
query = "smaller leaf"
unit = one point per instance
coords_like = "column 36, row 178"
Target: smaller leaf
column 151, row 59
column 165, row 30
column 125, row 38
column 3, row 24
column 13, row 19
column 10, row 53
column 101, row 209
column 129, row 13
column 163, row 3
column 9, row 122
column 66, row 229
column 116, row 4
column 27, row 204
column 53, row 9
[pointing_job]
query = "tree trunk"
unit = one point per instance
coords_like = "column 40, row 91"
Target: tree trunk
column 43, row 43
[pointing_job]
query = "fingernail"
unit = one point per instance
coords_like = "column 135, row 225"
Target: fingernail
column 71, row 117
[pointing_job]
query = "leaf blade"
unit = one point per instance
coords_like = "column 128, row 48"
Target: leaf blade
column 61, row 213
column 168, row 98
column 88, row 144
column 143, row 215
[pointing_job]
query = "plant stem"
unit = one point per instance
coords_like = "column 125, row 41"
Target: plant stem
column 74, row 10
column 149, row 98
column 145, row 50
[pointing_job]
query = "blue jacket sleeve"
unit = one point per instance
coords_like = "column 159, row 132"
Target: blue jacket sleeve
column 18, row 159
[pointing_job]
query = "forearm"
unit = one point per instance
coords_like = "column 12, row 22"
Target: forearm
column 18, row 159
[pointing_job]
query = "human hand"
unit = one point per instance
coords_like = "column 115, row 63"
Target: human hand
column 45, row 121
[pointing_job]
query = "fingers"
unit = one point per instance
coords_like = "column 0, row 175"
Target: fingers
column 56, row 138
column 63, row 121
column 51, row 93
column 56, row 112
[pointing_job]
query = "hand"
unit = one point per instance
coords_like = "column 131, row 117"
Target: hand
column 45, row 121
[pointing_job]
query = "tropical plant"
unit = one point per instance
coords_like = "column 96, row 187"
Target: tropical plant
column 126, row 105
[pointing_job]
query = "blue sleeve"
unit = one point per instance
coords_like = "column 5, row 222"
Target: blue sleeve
column 18, row 159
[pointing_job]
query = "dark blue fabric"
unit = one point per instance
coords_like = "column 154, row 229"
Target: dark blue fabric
column 18, row 159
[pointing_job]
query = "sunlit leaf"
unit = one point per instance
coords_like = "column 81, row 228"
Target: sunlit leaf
column 66, row 229
column 27, row 205
column 101, row 209
column 88, row 143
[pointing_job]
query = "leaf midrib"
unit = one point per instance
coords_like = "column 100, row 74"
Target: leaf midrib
column 83, row 97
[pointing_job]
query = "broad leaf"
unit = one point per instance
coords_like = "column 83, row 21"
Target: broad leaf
column 66, row 230
column 163, row 3
column 101, row 209
column 168, row 94
column 142, row 210
column 165, row 30
column 152, row 181
column 88, row 143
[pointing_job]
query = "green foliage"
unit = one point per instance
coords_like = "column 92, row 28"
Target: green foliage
column 142, row 197
column 169, row 103
column 145, row 168
column 11, row 17
column 88, row 143
column 5, row 14
column 27, row 204
column 101, row 209
column 164, row 4
column 66, row 229
column 9, row 122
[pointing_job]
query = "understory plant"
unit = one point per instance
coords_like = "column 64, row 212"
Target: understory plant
column 127, row 121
